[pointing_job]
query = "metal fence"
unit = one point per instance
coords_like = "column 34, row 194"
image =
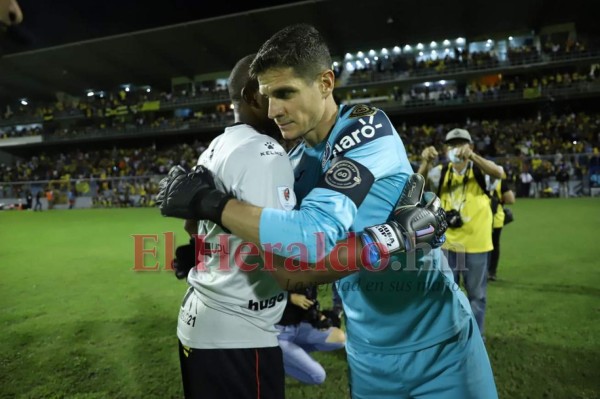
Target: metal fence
column 126, row 191
column 135, row 191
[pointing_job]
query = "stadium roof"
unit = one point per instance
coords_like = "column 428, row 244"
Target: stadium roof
column 84, row 58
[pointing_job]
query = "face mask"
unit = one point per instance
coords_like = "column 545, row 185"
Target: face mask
column 452, row 155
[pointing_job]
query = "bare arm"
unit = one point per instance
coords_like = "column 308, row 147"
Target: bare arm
column 488, row 167
column 243, row 220
column 342, row 261
column 428, row 155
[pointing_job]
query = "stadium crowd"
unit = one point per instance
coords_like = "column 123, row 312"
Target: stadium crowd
column 124, row 110
column 566, row 134
column 406, row 65
column 542, row 146
column 103, row 103
column 487, row 88
column 490, row 88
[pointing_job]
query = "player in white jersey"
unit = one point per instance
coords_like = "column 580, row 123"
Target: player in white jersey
column 226, row 327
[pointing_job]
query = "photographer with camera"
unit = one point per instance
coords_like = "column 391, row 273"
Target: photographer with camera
column 463, row 187
column 305, row 328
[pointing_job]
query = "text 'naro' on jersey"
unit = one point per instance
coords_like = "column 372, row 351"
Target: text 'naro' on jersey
column 356, row 127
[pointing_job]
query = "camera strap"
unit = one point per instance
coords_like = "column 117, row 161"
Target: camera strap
column 464, row 185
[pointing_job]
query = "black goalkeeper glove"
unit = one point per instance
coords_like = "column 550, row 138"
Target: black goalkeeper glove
column 185, row 259
column 417, row 219
column 191, row 195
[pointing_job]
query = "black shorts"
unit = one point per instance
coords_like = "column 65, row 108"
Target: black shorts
column 253, row 373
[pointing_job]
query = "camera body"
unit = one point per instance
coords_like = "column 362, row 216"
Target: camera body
column 320, row 319
column 453, row 219
column 313, row 313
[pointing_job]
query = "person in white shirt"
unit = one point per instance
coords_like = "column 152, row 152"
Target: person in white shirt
column 226, row 328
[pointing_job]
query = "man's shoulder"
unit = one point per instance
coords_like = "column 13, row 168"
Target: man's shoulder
column 260, row 147
column 360, row 113
column 243, row 142
column 357, row 126
column 237, row 134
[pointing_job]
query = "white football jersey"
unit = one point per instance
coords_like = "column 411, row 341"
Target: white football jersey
column 227, row 307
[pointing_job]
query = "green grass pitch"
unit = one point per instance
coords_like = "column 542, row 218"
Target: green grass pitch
column 78, row 322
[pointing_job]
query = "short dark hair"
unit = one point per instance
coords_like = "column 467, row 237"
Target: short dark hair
column 300, row 47
column 239, row 78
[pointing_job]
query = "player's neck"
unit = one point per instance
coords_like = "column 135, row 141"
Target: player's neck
column 321, row 131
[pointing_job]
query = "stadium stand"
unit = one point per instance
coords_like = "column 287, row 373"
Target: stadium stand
column 473, row 79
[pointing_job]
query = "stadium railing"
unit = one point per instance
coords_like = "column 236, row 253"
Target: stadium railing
column 90, row 192
column 111, row 191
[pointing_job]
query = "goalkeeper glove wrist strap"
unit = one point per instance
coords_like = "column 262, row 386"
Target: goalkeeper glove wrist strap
column 373, row 249
column 211, row 206
column 383, row 237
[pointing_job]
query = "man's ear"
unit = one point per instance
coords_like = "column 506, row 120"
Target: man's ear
column 249, row 97
column 327, row 82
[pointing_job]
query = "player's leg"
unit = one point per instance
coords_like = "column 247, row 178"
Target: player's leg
column 300, row 365
column 375, row 376
column 494, row 254
column 456, row 369
column 247, row 373
column 475, row 277
column 185, row 372
column 312, row 339
column 456, row 264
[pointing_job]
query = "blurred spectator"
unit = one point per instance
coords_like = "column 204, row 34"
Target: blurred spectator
column 562, row 177
column 525, row 180
column 38, row 202
column 50, row 198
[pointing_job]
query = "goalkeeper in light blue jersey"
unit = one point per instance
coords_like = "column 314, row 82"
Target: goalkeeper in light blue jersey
column 410, row 330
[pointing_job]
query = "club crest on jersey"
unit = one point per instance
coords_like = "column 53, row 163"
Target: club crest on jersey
column 361, row 110
column 343, row 175
column 286, row 197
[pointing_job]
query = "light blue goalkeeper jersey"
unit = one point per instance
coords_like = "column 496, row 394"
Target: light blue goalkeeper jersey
column 413, row 302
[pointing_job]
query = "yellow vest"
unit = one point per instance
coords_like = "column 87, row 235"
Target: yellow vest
column 475, row 235
column 499, row 215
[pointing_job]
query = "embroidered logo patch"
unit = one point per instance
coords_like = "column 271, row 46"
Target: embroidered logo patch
column 343, row 175
column 361, row 110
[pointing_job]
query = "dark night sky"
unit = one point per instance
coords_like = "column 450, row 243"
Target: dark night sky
column 58, row 22
column 53, row 23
